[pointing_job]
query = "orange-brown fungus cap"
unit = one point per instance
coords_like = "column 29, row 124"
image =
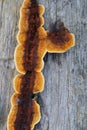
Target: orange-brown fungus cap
column 33, row 62
column 31, row 37
column 12, row 118
column 37, row 115
column 12, row 124
column 22, row 36
column 27, row 112
column 60, row 41
column 25, row 13
column 24, row 24
column 38, row 82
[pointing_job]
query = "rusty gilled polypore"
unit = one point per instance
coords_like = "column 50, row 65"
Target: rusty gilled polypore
column 34, row 42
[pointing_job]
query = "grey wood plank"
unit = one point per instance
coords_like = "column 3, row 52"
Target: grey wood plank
column 63, row 102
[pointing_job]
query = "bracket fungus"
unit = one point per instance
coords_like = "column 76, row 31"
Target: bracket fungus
column 33, row 43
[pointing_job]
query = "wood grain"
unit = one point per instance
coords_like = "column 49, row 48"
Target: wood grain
column 64, row 99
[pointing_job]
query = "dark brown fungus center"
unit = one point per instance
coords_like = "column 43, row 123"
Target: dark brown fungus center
column 61, row 35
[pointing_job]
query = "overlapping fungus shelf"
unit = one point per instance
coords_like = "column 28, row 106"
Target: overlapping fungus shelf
column 28, row 111
column 29, row 55
column 25, row 112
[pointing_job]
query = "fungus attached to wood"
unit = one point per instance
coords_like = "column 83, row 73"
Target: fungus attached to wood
column 34, row 41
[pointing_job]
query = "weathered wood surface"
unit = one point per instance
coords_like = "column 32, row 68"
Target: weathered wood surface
column 64, row 100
